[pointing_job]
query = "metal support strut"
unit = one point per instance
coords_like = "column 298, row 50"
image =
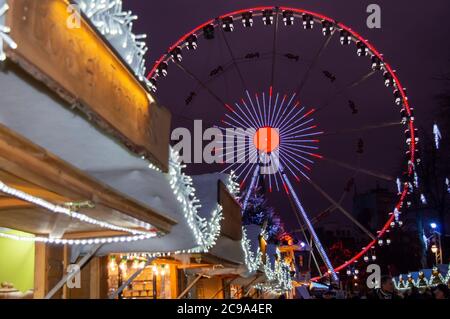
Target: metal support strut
column 308, row 224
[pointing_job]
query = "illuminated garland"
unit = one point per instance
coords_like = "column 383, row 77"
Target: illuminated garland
column 205, row 232
column 422, row 282
column 447, row 277
column 85, row 241
column 278, row 279
column 252, row 261
column 233, row 186
column 65, row 211
column 4, row 30
column 116, row 25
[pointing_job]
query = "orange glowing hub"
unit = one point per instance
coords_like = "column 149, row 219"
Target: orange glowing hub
column 266, row 139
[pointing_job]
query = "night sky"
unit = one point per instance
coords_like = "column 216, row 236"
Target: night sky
column 413, row 38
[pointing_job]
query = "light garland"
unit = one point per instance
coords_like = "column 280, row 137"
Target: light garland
column 437, row 136
column 435, row 278
column 65, row 211
column 84, row 241
column 205, row 232
column 279, row 278
column 252, row 261
column 447, row 277
column 233, row 186
column 4, row 30
column 116, row 25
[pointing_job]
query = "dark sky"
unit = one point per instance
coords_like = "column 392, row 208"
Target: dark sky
column 413, row 38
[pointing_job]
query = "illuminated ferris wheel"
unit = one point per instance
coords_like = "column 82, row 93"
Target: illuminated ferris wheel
column 295, row 136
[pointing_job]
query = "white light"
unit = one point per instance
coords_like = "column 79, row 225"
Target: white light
column 437, row 135
column 116, row 25
column 4, row 37
column 63, row 210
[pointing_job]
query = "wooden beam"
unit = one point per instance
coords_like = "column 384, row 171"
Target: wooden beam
column 33, row 163
column 48, row 268
column 86, row 71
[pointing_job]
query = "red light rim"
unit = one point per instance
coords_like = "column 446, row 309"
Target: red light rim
column 372, row 49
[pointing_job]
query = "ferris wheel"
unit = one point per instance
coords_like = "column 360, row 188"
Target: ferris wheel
column 315, row 120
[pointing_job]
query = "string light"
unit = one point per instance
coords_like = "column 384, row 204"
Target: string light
column 278, row 279
column 84, row 241
column 252, row 261
column 65, row 211
column 205, row 232
column 4, row 30
column 116, row 26
column 437, row 135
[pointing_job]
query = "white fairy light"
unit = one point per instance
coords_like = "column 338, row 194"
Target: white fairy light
column 423, row 199
column 278, row 279
column 252, row 261
column 416, row 179
column 116, row 26
column 447, row 182
column 205, row 232
column 4, row 30
column 85, row 241
column 437, row 135
column 399, row 185
column 233, row 186
column 65, row 211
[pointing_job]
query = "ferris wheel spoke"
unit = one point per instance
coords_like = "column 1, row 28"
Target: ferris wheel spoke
column 250, row 188
column 295, row 145
column 330, row 209
column 311, row 230
column 252, row 121
column 233, row 57
column 364, row 128
column 286, row 125
column 259, row 118
column 359, row 169
column 275, row 105
column 279, row 117
column 236, row 167
column 310, row 240
column 288, row 167
column 294, row 150
column 298, row 153
column 255, row 119
column 340, row 91
column 291, row 160
column 287, row 118
column 274, row 48
column 240, row 125
column 313, row 63
column 259, row 109
column 204, row 86
column 314, row 258
column 296, row 129
column 293, row 156
column 341, row 209
column 295, row 137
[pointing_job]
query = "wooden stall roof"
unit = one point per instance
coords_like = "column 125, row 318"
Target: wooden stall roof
column 30, row 168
